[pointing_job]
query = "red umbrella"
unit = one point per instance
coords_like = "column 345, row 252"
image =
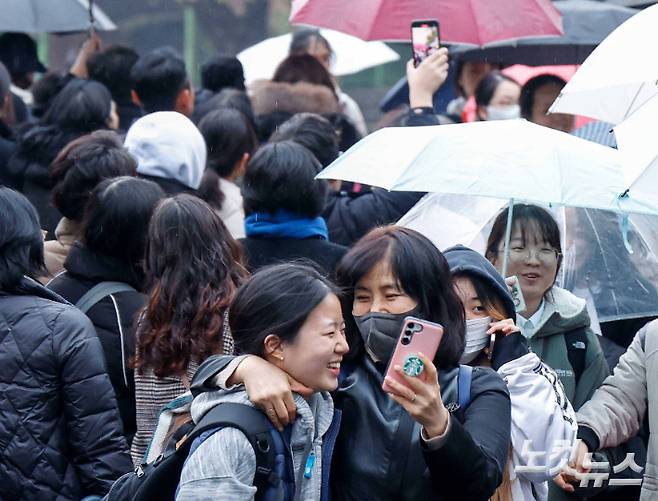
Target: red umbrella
column 476, row 22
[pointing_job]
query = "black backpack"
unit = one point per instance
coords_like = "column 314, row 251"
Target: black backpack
column 159, row 479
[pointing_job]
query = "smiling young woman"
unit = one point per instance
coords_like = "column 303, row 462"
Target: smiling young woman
column 555, row 321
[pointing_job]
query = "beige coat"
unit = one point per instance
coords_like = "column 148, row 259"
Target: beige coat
column 617, row 409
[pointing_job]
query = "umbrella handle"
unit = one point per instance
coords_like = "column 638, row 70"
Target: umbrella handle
column 508, row 236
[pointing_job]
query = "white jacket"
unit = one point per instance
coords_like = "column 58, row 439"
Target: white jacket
column 543, row 426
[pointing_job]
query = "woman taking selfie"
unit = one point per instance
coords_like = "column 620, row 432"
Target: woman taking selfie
column 416, row 448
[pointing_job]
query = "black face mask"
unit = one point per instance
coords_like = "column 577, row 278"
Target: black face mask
column 380, row 332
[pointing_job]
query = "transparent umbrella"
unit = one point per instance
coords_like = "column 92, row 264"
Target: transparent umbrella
column 608, row 259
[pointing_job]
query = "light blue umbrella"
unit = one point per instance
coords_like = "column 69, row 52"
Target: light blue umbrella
column 510, row 160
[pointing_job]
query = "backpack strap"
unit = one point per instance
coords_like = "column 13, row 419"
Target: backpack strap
column 255, row 426
column 98, row 292
column 464, row 386
column 576, row 341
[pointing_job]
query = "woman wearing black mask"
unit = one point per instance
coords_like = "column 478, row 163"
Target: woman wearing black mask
column 419, row 442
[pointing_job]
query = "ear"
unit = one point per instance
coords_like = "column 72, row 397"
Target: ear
column 185, row 102
column 241, row 165
column 135, row 98
column 273, row 350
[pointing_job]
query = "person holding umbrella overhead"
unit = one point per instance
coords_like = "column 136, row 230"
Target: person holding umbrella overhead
column 555, row 321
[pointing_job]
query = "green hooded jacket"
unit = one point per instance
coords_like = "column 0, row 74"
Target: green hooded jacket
column 564, row 312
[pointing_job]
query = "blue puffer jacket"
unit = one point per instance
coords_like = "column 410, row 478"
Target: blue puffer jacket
column 60, row 432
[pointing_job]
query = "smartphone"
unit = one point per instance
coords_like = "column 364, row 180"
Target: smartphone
column 417, row 336
column 424, row 39
column 517, row 295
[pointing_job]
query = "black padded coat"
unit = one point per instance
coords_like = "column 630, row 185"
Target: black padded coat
column 60, row 431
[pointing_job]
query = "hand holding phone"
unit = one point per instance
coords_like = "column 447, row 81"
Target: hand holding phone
column 516, row 292
column 417, row 336
column 425, row 39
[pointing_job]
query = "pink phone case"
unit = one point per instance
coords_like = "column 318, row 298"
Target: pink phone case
column 425, row 339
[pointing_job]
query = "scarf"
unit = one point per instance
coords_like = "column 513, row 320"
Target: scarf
column 285, row 224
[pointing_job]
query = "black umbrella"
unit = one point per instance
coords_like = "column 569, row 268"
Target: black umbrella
column 586, row 23
column 42, row 16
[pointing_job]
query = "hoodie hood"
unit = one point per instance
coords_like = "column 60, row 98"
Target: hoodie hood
column 467, row 261
column 563, row 312
column 168, row 145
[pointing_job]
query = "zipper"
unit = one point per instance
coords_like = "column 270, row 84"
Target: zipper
column 310, row 461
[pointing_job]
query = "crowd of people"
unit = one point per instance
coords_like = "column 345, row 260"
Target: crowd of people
column 166, row 251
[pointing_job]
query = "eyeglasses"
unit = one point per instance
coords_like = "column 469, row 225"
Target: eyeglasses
column 545, row 255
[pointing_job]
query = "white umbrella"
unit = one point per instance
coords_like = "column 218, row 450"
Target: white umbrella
column 505, row 159
column 596, row 266
column 620, row 75
column 351, row 55
column 42, row 16
column 510, row 160
column 636, row 138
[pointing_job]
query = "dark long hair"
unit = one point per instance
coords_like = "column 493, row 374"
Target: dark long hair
column 303, row 68
column 276, row 300
column 21, row 242
column 193, row 269
column 421, row 271
column 228, row 135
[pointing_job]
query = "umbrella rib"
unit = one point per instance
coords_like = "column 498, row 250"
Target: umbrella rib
column 630, row 106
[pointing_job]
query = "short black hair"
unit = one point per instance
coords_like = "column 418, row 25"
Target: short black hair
column 82, row 105
column 158, row 77
column 348, row 135
column 222, row 71
column 421, row 271
column 82, row 164
column 312, row 131
column 21, row 240
column 116, row 220
column 226, row 98
column 276, row 299
column 112, row 68
column 45, row 90
column 488, row 85
column 268, row 123
column 529, row 89
column 282, row 176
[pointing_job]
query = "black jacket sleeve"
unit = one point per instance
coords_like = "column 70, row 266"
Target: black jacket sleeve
column 97, row 445
column 470, row 463
column 349, row 218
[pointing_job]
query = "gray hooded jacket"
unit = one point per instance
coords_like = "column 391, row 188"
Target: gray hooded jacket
column 226, row 463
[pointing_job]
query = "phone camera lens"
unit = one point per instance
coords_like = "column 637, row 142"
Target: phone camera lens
column 412, row 326
column 405, row 340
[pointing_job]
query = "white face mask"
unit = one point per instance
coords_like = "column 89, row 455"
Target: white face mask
column 476, row 338
column 504, row 112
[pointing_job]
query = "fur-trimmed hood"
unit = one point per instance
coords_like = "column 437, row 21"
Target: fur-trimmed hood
column 268, row 97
